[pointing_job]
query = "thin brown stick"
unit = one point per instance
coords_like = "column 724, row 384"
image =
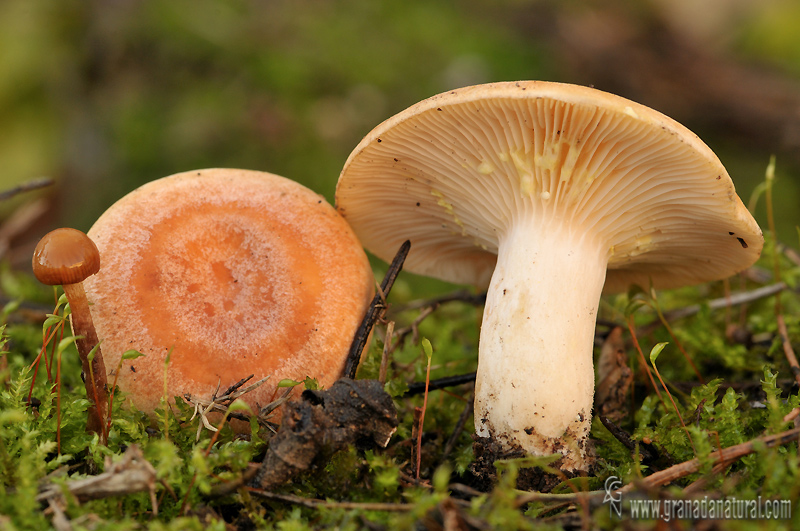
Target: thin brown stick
column 734, row 299
column 725, row 456
column 312, row 503
column 221, row 403
column 59, row 520
column 416, row 388
column 232, row 389
column 466, row 413
column 229, row 487
column 721, row 459
column 427, row 307
column 132, row 473
column 47, row 338
column 412, row 329
column 475, row 299
column 19, row 221
column 28, row 186
column 524, row 497
column 790, row 254
column 642, row 360
column 646, row 451
column 375, row 311
column 699, row 484
column 793, row 414
column 788, row 351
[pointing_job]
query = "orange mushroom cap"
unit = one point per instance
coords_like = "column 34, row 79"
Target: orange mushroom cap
column 65, row 256
column 236, row 273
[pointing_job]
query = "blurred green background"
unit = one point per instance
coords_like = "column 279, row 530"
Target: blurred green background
column 105, row 95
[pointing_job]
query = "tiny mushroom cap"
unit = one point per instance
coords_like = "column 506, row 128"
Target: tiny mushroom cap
column 219, row 274
column 548, row 194
column 65, row 256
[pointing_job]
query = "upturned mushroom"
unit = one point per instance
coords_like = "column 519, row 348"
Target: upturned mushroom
column 548, row 194
column 234, row 273
column 67, row 257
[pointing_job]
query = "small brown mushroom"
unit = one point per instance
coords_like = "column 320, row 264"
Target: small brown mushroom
column 68, row 257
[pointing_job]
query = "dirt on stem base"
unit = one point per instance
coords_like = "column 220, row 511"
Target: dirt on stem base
column 484, row 471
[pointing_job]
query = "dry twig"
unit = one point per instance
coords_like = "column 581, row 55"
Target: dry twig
column 475, row 299
column 28, row 186
column 376, row 310
column 466, row 413
column 416, row 388
column 723, row 458
column 220, row 404
column 132, row 473
column 788, row 351
column 315, row 504
column 734, row 299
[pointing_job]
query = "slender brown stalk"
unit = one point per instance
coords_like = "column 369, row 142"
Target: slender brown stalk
column 675, row 407
column 94, row 370
column 422, row 414
column 632, row 330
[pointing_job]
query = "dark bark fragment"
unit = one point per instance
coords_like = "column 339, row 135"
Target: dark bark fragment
column 321, row 423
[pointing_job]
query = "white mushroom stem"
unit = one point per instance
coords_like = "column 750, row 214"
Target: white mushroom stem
column 535, row 381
